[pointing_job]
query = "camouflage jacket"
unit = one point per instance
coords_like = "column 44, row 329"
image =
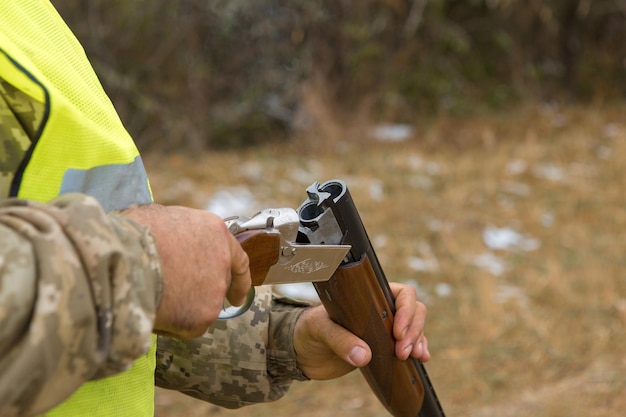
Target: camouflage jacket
column 71, row 311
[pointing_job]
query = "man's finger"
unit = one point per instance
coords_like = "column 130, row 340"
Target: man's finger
column 406, row 307
column 240, row 274
column 409, row 324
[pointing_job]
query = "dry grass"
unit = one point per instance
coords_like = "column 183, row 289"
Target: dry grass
column 546, row 337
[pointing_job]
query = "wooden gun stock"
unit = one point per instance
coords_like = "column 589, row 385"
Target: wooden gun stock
column 354, row 300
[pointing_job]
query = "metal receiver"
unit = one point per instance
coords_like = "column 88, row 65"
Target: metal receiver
column 296, row 263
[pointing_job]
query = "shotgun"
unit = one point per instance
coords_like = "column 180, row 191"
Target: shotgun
column 324, row 242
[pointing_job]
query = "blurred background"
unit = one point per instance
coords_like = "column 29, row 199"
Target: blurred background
column 197, row 74
column 482, row 141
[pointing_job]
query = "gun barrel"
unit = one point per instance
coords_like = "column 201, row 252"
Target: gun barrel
column 359, row 298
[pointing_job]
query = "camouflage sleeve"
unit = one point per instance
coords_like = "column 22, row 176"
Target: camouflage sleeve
column 240, row 361
column 78, row 294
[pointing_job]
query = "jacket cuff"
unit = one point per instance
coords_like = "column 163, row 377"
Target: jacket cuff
column 281, row 361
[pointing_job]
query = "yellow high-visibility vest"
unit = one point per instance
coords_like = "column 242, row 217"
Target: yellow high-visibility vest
column 80, row 145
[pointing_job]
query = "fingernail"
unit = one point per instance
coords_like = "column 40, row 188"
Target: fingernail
column 420, row 349
column 408, row 350
column 357, row 356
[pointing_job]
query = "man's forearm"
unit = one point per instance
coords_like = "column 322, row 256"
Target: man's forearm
column 241, row 361
column 78, row 294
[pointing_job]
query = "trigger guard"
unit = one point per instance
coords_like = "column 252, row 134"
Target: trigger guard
column 232, row 311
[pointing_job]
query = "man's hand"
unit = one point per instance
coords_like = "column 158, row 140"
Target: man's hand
column 202, row 265
column 325, row 350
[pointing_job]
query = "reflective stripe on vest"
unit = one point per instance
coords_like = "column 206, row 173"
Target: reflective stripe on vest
column 80, row 145
column 127, row 182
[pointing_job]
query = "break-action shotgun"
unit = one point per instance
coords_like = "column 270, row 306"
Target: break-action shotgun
column 324, row 242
